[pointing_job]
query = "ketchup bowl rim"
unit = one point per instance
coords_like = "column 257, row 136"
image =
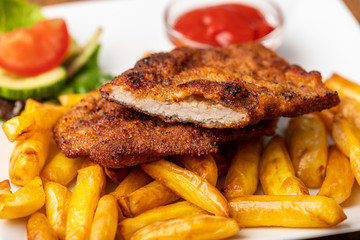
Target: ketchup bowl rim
column 266, row 40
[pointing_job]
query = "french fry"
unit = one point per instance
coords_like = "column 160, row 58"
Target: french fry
column 61, row 169
column 57, row 205
column 298, row 211
column 23, row 202
column 189, row 186
column 19, row 127
column 28, row 157
column 51, row 113
column 339, row 178
column 156, row 194
column 243, row 174
column 129, row 226
column 87, row 192
column 345, row 135
column 189, row 227
column 147, row 197
column 69, row 100
column 33, row 105
column 25, row 125
column 343, row 86
column 5, row 188
column 38, row 228
column 120, row 213
column 307, row 142
column 87, row 163
column 136, row 179
column 204, row 166
column 350, row 110
column 105, row 219
column 355, row 162
column 221, row 162
column 327, row 117
column 276, row 173
column 116, row 174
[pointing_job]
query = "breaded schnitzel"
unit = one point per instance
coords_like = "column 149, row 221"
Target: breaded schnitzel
column 220, row 87
column 115, row 136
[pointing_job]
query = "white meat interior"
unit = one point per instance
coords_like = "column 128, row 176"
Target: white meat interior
column 190, row 109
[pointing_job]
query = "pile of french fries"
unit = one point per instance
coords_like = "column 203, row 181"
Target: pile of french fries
column 180, row 198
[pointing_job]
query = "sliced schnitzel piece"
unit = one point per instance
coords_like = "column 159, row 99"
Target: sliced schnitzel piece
column 115, row 136
column 220, row 87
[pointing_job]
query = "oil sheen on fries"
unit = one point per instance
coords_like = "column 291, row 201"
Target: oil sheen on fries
column 307, row 142
column 298, row 211
column 147, row 197
column 243, row 176
column 204, row 166
column 61, row 169
column 23, row 202
column 129, row 226
column 57, row 205
column 136, row 179
column 277, row 174
column 189, row 186
column 189, row 227
column 28, row 157
column 339, row 177
column 38, row 228
column 105, row 220
column 87, row 192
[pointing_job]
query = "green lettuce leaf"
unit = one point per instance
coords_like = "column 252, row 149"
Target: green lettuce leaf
column 18, row 13
column 88, row 78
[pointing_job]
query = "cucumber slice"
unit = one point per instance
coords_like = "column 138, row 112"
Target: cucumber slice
column 44, row 85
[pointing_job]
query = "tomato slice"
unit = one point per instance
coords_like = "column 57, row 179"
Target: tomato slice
column 34, row 50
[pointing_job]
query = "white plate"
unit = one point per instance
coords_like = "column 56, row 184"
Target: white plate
column 319, row 35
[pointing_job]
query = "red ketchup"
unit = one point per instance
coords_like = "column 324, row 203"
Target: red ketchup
column 223, row 24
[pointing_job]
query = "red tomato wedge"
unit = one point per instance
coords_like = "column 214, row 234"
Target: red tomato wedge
column 34, row 50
